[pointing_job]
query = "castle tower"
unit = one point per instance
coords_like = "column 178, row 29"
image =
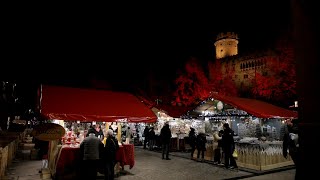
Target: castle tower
column 226, row 45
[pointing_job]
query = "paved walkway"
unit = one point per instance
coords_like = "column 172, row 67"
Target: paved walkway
column 149, row 165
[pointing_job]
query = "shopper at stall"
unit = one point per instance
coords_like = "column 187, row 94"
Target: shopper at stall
column 152, row 138
column 129, row 135
column 99, row 132
column 290, row 140
column 165, row 136
column 92, row 129
column 201, row 145
column 146, row 137
column 228, row 147
column 192, row 141
column 90, row 149
column 109, row 155
column 217, row 138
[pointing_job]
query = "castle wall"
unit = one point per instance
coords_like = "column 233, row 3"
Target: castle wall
column 242, row 69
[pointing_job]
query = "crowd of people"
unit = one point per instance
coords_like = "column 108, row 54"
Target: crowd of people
column 97, row 154
column 223, row 144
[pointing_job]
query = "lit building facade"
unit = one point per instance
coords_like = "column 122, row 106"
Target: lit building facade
column 242, row 69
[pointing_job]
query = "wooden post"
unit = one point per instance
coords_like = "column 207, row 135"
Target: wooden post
column 119, row 132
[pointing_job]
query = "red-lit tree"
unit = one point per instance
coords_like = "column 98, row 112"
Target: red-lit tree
column 278, row 83
column 192, row 84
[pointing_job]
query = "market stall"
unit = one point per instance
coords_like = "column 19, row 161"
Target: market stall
column 257, row 124
column 90, row 106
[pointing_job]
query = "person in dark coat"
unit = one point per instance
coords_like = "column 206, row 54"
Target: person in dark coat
column 290, row 140
column 201, row 145
column 228, row 147
column 165, row 135
column 146, row 137
column 192, row 141
column 92, row 129
column 152, row 138
column 90, row 149
column 99, row 132
column 109, row 155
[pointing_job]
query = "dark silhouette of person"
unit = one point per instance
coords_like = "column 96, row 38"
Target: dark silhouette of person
column 291, row 140
column 192, row 141
column 201, row 145
column 228, row 147
column 109, row 155
column 165, row 136
column 146, row 137
column 152, row 138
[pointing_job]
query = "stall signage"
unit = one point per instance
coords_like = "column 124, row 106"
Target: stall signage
column 48, row 132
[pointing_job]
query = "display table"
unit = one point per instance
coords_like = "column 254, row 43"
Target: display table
column 69, row 161
column 125, row 155
column 263, row 156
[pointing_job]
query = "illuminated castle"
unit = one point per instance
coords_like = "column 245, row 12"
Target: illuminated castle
column 226, row 45
column 245, row 67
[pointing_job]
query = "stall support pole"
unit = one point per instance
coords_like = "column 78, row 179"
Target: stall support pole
column 119, row 132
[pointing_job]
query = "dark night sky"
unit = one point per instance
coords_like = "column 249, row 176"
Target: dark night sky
column 123, row 46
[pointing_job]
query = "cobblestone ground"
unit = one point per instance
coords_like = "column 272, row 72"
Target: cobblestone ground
column 150, row 166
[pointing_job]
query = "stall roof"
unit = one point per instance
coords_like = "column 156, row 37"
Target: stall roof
column 257, row 108
column 175, row 111
column 66, row 103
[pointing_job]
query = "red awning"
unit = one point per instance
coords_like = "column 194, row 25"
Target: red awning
column 257, row 108
column 67, row 103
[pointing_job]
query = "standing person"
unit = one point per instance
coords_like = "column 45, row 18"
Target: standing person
column 99, row 132
column 290, row 140
column 165, row 135
column 228, row 147
column 128, row 135
column 217, row 137
column 152, row 138
column 43, row 147
column 109, row 155
column 201, row 144
column 92, row 129
column 146, row 137
column 192, row 141
column 90, row 149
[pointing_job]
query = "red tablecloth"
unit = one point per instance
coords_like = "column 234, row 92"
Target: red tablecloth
column 125, row 155
column 69, row 158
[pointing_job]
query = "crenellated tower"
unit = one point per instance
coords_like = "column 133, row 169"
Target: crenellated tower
column 226, row 45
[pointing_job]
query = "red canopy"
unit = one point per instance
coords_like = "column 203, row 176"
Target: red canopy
column 257, row 108
column 67, row 103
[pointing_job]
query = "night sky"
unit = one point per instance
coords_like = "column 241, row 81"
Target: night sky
column 125, row 45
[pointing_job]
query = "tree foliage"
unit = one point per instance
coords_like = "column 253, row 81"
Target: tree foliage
column 194, row 85
column 279, row 84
